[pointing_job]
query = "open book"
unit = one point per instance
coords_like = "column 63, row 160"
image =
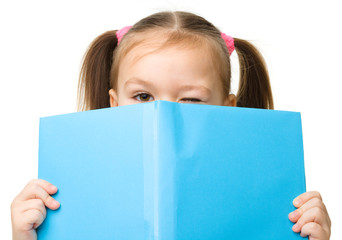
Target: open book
column 170, row 171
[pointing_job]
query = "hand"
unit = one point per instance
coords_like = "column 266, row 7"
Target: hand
column 28, row 208
column 311, row 217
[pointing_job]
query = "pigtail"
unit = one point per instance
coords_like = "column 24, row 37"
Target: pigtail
column 254, row 87
column 93, row 85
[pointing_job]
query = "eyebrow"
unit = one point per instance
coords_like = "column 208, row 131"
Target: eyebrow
column 135, row 80
column 185, row 88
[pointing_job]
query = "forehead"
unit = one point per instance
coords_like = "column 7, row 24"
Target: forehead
column 171, row 54
column 174, row 62
column 142, row 44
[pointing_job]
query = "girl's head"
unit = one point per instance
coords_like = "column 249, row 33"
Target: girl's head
column 172, row 56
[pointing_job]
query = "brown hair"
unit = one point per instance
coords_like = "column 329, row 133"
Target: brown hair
column 100, row 66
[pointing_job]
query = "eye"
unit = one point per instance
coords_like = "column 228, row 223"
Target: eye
column 192, row 100
column 143, row 97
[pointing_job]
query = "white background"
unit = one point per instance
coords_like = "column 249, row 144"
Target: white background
column 42, row 44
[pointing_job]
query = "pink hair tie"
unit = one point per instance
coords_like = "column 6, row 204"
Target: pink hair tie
column 229, row 42
column 120, row 33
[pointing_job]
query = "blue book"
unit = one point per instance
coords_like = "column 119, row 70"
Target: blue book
column 170, row 171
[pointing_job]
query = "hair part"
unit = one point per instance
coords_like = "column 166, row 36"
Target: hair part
column 100, row 68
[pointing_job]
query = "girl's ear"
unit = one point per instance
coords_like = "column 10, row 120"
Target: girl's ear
column 113, row 98
column 230, row 101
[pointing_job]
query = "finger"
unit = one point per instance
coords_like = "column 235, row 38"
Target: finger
column 32, row 218
column 314, row 231
column 313, row 202
column 47, row 186
column 34, row 204
column 35, row 191
column 314, row 214
column 19, row 214
column 303, row 198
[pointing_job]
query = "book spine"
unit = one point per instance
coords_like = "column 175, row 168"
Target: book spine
column 165, row 155
column 159, row 164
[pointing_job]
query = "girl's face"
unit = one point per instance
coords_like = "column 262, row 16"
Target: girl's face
column 172, row 74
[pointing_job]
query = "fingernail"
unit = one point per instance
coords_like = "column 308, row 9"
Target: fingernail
column 53, row 188
column 295, row 227
column 294, row 215
column 297, row 202
column 55, row 202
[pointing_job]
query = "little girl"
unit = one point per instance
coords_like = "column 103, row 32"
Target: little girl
column 172, row 56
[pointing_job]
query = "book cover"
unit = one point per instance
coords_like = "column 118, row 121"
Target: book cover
column 167, row 171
